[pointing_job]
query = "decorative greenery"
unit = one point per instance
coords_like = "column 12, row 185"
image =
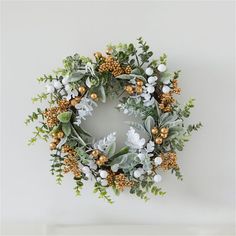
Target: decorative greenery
column 145, row 89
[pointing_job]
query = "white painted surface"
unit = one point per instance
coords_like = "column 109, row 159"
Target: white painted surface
column 199, row 39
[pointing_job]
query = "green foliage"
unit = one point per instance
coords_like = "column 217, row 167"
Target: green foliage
column 195, row 127
column 146, row 53
column 177, row 173
column 188, row 106
column 45, row 78
column 41, row 132
column 40, row 97
column 64, row 117
column 101, row 190
column 78, row 186
column 57, row 166
column 34, row 116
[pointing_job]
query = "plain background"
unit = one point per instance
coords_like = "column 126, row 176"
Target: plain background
column 199, row 39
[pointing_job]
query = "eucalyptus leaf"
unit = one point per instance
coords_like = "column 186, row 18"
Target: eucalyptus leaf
column 136, row 125
column 76, row 76
column 122, row 151
column 111, row 149
column 102, row 94
column 149, row 123
column 125, row 77
column 66, row 128
column 64, row 117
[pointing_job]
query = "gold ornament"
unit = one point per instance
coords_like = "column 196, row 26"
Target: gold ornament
column 82, row 89
column 97, row 55
column 158, row 140
column 94, row 96
column 95, row 153
column 60, row 134
column 139, row 90
column 164, row 130
column 164, row 135
column 155, row 131
column 53, row 146
column 139, row 82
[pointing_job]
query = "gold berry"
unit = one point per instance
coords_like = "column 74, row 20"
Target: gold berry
column 99, row 162
column 77, row 99
column 139, row 90
column 60, row 134
column 103, row 158
column 56, row 140
column 164, row 130
column 53, row 146
column 164, row 135
column 82, row 89
column 158, row 140
column 129, row 89
column 95, row 153
column 97, row 55
column 139, row 82
column 94, row 96
column 155, row 131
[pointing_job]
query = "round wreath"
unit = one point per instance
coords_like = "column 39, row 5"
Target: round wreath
column 146, row 89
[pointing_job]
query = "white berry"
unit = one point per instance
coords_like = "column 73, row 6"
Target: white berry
column 152, row 79
column 157, row 178
column 103, row 174
column 149, row 71
column 137, row 173
column 158, row 161
column 161, row 67
column 165, row 89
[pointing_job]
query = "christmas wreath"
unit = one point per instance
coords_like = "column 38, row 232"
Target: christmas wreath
column 146, row 90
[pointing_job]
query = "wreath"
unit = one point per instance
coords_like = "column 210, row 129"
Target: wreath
column 146, row 90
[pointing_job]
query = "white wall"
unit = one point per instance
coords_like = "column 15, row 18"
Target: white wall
column 198, row 38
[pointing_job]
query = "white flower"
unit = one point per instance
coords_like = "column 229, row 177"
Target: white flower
column 104, row 182
column 152, row 79
column 103, row 174
column 161, row 67
column 165, row 89
column 137, row 173
column 149, row 71
column 158, row 161
column 50, row 88
column 92, row 165
column 157, row 178
column 57, row 84
column 89, row 68
column 141, row 156
column 84, row 108
column 65, row 80
column 133, row 139
column 102, row 144
column 150, row 146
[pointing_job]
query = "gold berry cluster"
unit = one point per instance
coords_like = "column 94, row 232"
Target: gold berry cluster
column 51, row 114
column 82, row 90
column 119, row 181
column 166, row 99
column 131, row 89
column 159, row 135
column 169, row 160
column 56, row 139
column 100, row 158
column 70, row 162
column 112, row 65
